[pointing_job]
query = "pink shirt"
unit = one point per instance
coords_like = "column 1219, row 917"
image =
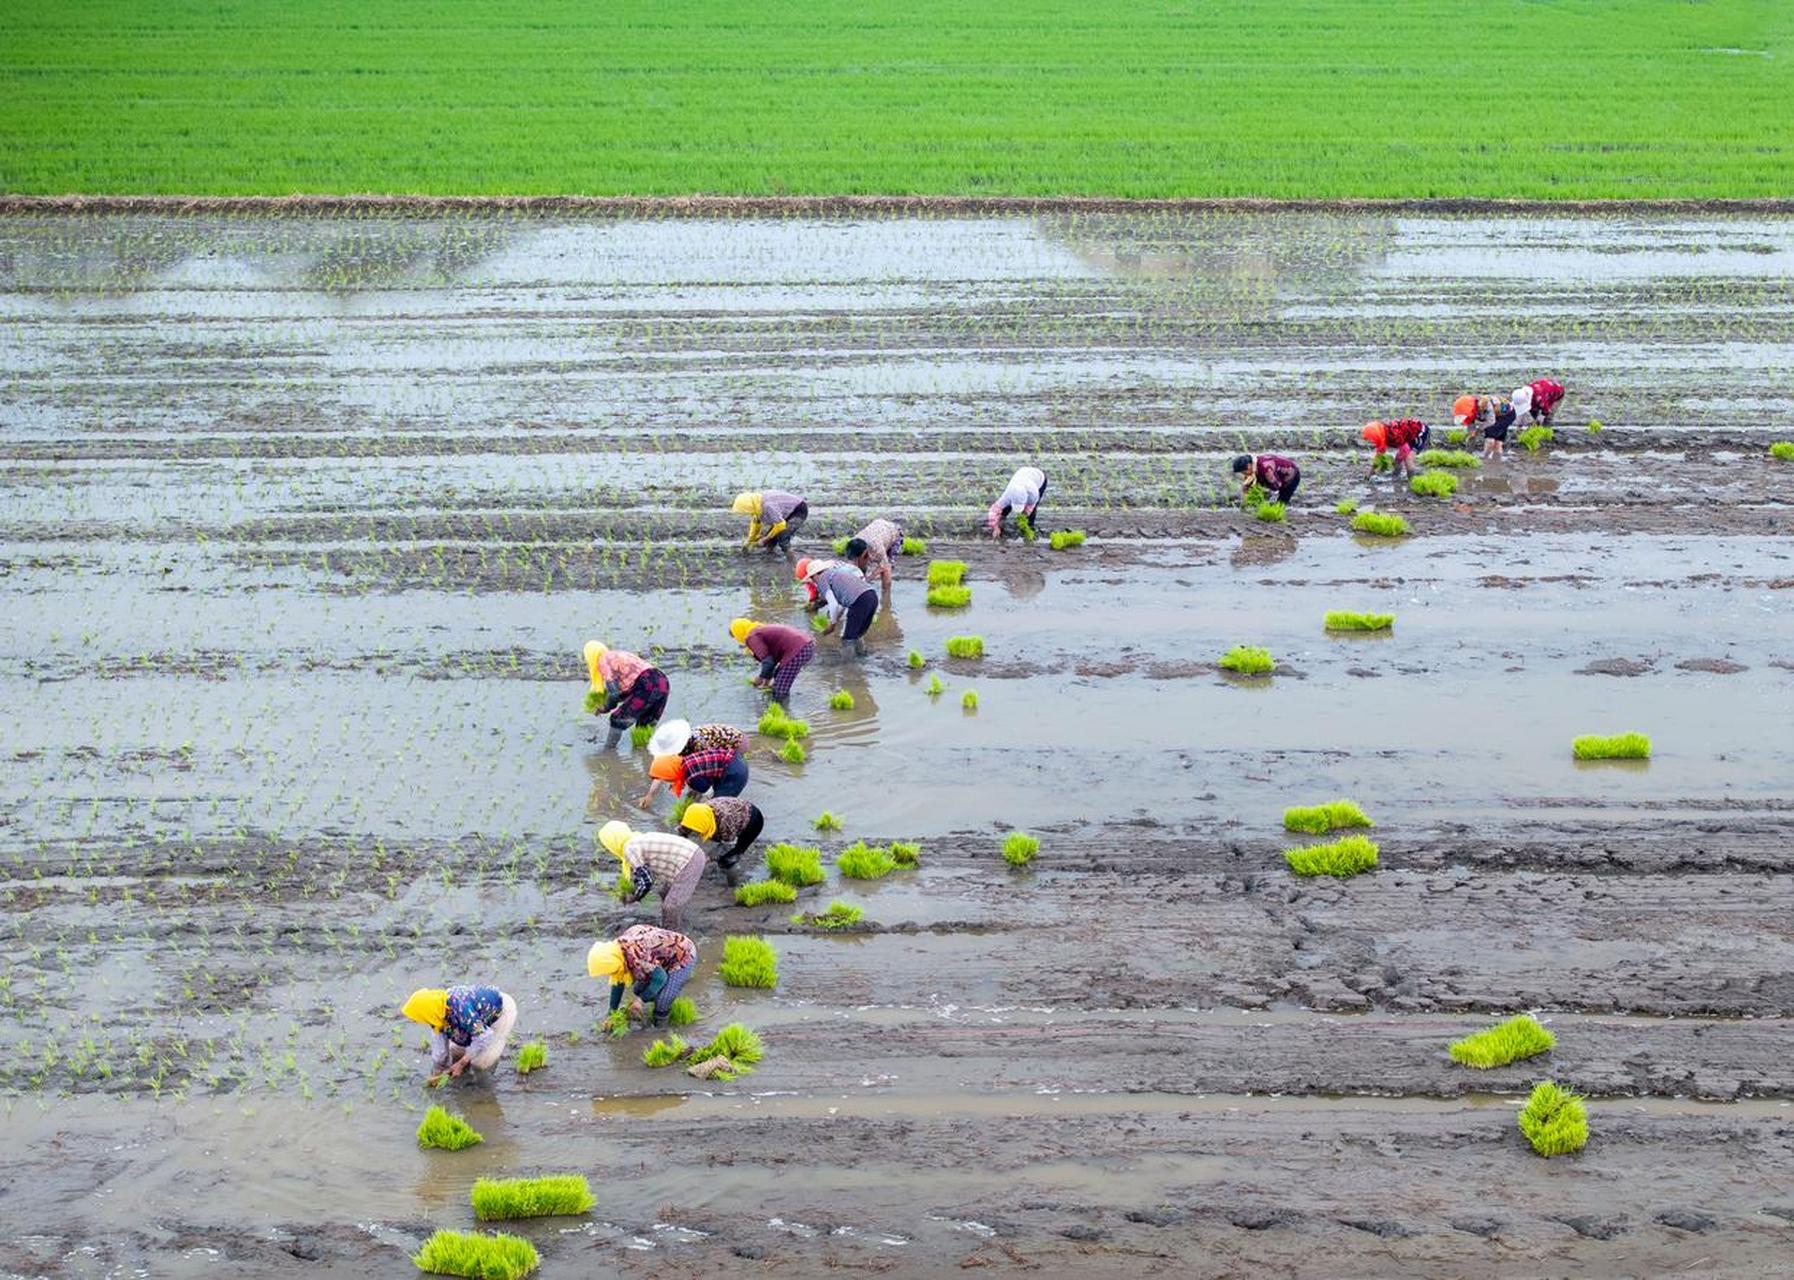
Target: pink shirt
column 620, row 668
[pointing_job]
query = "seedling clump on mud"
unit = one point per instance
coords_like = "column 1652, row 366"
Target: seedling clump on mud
column 965, row 646
column 639, row 735
column 738, row 1046
column 1318, row 819
column 1247, row 661
column 1782, row 450
column 1382, row 462
column 1554, row 1120
column 797, row 865
column 861, row 861
column 1619, row 746
column 1519, row 1037
column 793, row 752
column 1338, row 620
column 532, row 1057
column 1065, row 539
column 1594, row 429
column 683, row 1012
column 840, row 545
column 1448, row 458
column 914, row 547
column 1381, row 524
column 761, row 892
column 1434, row 484
column 840, row 700
column 1345, row 506
column 949, row 597
column 1019, row 848
column 1457, row 435
column 444, row 1132
column 664, row 1053
column 916, row 660
column 774, row 723
column 615, row 1024
column 968, row 701
column 748, row 962
column 906, row 853
column 827, row 821
column 1025, row 527
column 1342, row 859
column 480, row 1257
column 1531, row 438
column 840, row 915
column 946, row 573
column 935, row 687
column 496, row 1199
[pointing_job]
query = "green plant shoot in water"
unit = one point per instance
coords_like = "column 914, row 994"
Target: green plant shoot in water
column 1019, row 848
column 1247, row 661
column 445, row 1132
column 748, row 962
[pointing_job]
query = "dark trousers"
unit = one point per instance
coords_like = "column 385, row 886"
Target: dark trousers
column 859, row 616
column 1288, row 491
column 645, row 702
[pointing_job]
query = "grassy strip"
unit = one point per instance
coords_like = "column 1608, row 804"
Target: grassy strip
column 1342, row 859
column 1339, row 620
column 1554, row 1120
column 1245, row 660
column 748, row 962
column 1318, row 819
column 496, row 1199
column 444, row 1132
column 476, row 1255
column 1519, row 1037
column 1620, row 746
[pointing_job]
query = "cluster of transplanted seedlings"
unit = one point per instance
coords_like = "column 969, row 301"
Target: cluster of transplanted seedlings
column 503, row 1199
column 476, row 1255
column 1619, row 746
column 1019, row 848
column 1339, row 620
column 1245, row 660
column 748, row 962
column 532, row 1057
column 840, row 915
column 946, row 584
column 445, row 1132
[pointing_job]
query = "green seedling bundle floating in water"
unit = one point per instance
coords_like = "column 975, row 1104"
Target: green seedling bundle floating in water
column 1318, row 819
column 499, row 1199
column 1019, row 848
column 477, row 1256
column 965, row 646
column 946, row 573
column 1519, row 1037
column 1345, row 506
column 1342, row 859
column 1247, row 661
column 1434, row 484
column 1380, row 524
column 1448, row 458
column 1065, row 539
column 1619, row 746
column 749, row 962
column 968, row 701
column 664, row 1053
column 532, row 1057
column 793, row 752
column 760, row 892
column 444, row 1132
column 840, row 915
column 840, row 700
column 935, row 687
column 861, row 861
column 916, row 660
column 797, row 865
column 1339, row 620
column 774, row 723
column 827, row 821
column 1554, row 1120
column 949, row 597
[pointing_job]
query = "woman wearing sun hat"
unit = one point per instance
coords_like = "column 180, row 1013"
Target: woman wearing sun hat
column 1491, row 415
column 726, row 820
column 678, row 738
column 656, row 961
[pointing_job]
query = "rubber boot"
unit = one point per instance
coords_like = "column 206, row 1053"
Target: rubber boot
column 659, row 1021
column 731, row 871
column 612, row 737
column 859, row 647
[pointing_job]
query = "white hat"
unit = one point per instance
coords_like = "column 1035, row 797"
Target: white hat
column 670, row 738
column 1522, row 400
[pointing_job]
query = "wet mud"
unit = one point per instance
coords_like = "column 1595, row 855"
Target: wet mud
column 304, row 519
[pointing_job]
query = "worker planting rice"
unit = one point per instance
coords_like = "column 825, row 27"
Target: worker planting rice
column 843, row 597
column 1272, row 472
column 1539, row 399
column 632, row 689
column 773, row 518
column 1491, row 416
column 1021, row 497
column 730, row 821
column 713, row 759
column 782, row 651
column 873, row 548
column 657, row 862
column 656, row 962
column 1407, row 436
column 468, row 1026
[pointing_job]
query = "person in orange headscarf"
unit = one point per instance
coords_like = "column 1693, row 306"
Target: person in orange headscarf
column 1491, row 416
column 1407, row 436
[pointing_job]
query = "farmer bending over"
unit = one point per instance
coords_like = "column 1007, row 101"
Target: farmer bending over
column 1491, row 415
column 840, row 592
column 723, row 771
column 1407, row 436
column 722, row 821
column 633, row 690
column 1022, row 495
column 1273, row 471
column 678, row 738
column 468, row 1026
column 783, row 652
column 772, row 518
column 657, row 961
column 656, row 860
column 873, row 548
column 1540, row 398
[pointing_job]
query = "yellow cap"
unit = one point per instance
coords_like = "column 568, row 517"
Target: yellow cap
column 428, row 1005
column 700, row 818
column 613, row 835
column 595, row 651
column 605, row 960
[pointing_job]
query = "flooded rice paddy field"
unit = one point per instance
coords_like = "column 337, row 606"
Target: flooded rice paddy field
column 305, row 521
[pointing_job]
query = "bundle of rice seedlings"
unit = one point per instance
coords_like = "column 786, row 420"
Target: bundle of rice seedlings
column 1382, row 462
column 826, row 821
column 1531, row 438
column 1457, row 435
column 840, row 700
column 444, row 1132
column 594, row 702
column 793, row 752
column 861, row 861
column 532, row 1057
column 498, row 1199
column 1382, row 524
column 680, row 805
column 1019, row 848
column 774, row 723
column 639, row 735
column 1064, row 539
column 615, row 1024
column 1519, row 1037
column 664, row 1053
column 916, row 660
column 818, row 623
column 839, row 915
column 1782, row 450
column 968, row 700
column 748, row 962
column 760, row 892
column 1317, row 819
column 1338, row 620
column 949, row 597
column 480, row 1257
column 946, row 573
column 965, row 646
column 1025, row 527
column 1434, row 484
column 739, row 1045
column 1247, row 661
column 797, row 865
column 1345, row 506
column 914, row 547
column 1554, row 1120
column 1448, row 458
column 1343, row 858
column 1272, row 512
column 682, row 1012
column 1594, row 429
column 1253, row 496
column 935, row 687
column 1619, row 746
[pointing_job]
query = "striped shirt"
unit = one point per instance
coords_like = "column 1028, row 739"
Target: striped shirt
column 646, row 948
column 664, row 855
column 716, row 737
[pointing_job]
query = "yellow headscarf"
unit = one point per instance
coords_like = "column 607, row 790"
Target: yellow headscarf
column 700, row 818
column 614, row 835
column 740, row 629
column 746, row 504
column 605, row 960
column 595, row 651
column 428, row 1005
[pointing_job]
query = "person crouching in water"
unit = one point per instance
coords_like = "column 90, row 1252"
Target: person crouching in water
column 1539, row 399
column 656, row 860
column 782, row 652
column 1407, row 436
column 632, row 689
column 657, row 961
column 773, row 518
column 873, row 548
column 1021, row 496
column 843, row 596
column 468, row 1026
column 726, row 820
column 1271, row 471
column 1491, row 415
